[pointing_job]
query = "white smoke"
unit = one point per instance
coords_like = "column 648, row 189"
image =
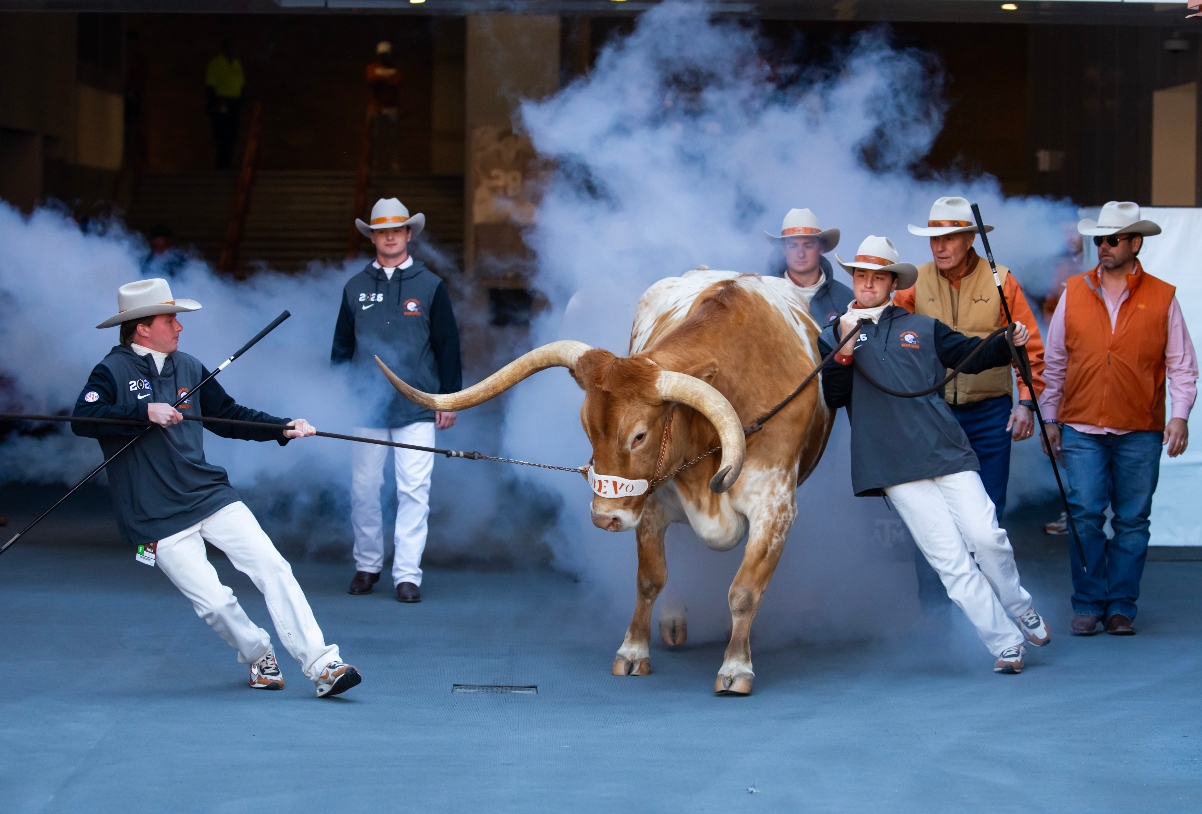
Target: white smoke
column 58, row 282
column 678, row 150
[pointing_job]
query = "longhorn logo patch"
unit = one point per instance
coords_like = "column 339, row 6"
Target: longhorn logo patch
column 614, row 486
column 909, row 339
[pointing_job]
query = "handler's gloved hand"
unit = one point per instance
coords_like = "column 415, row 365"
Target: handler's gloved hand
column 1021, row 335
column 163, row 414
column 299, row 428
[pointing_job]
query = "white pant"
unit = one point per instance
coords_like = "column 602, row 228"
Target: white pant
column 235, row 531
column 413, row 471
column 951, row 517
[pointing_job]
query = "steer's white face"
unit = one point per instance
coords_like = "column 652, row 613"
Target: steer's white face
column 624, row 422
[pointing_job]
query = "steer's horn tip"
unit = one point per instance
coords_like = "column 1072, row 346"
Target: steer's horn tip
column 723, row 480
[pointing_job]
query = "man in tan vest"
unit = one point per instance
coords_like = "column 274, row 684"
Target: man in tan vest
column 957, row 289
column 1115, row 335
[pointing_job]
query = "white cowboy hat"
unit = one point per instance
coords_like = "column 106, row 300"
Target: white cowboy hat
column 948, row 216
column 879, row 254
column 389, row 213
column 147, row 298
column 1118, row 217
column 802, row 223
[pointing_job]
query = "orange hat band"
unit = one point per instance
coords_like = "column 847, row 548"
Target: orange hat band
column 958, row 223
column 168, row 302
column 800, row 230
column 389, row 219
column 870, row 258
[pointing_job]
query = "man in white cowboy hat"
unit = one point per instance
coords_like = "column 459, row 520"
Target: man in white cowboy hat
column 399, row 310
column 170, row 501
column 1115, row 336
column 957, row 288
column 803, row 242
column 914, row 452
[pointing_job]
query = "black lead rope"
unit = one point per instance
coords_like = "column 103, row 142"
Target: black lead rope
column 127, row 422
column 953, row 373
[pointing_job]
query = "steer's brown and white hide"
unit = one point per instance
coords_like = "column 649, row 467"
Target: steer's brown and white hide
column 710, row 352
column 753, row 339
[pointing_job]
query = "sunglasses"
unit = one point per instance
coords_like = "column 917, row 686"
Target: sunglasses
column 1111, row 240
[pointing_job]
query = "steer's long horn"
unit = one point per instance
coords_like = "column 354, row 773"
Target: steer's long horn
column 556, row 354
column 713, row 405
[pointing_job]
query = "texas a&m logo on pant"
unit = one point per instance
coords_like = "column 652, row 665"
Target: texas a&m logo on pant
column 909, row 339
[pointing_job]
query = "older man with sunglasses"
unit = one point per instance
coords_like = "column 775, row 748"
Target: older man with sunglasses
column 1115, row 335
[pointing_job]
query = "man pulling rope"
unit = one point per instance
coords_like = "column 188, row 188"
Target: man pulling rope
column 913, row 451
column 169, row 501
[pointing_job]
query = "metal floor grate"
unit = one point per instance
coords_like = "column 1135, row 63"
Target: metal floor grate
column 495, row 688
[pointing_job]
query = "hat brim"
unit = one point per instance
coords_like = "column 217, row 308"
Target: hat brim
column 907, row 273
column 829, row 238
column 416, row 223
column 939, row 231
column 1090, row 228
column 178, row 307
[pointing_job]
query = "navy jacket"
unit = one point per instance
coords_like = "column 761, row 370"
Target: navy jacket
column 162, row 484
column 406, row 321
column 896, row 440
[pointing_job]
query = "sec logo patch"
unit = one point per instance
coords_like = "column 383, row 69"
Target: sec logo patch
column 91, row 396
column 909, row 339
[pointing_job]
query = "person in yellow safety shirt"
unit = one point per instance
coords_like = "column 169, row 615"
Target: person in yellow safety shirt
column 224, row 83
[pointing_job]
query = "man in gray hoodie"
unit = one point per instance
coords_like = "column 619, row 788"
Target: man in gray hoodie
column 396, row 309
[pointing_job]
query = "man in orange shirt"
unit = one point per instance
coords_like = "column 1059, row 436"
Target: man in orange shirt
column 957, row 289
column 1116, row 335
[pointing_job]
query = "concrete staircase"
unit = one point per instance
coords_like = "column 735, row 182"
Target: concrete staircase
column 295, row 216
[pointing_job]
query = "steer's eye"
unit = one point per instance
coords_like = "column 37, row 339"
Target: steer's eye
column 638, row 439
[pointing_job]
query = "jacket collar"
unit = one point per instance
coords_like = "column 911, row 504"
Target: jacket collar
column 1093, row 278
column 405, row 274
column 146, row 364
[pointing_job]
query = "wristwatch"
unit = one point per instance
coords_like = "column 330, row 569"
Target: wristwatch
column 1028, row 403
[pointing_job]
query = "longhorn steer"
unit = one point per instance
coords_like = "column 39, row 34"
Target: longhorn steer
column 709, row 352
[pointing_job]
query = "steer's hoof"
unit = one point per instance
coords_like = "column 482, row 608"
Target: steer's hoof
column 674, row 630
column 733, row 685
column 628, row 667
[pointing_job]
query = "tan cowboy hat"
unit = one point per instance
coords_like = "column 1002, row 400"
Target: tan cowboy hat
column 389, row 213
column 879, row 254
column 147, row 298
column 948, row 216
column 1118, row 217
column 803, row 223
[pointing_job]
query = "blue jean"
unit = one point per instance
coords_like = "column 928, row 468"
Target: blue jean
column 1119, row 471
column 985, row 425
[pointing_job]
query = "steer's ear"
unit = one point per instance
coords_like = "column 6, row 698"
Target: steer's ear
column 705, row 370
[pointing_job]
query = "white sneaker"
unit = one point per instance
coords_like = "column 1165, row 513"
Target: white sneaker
column 1034, row 630
column 336, row 678
column 1011, row 660
column 265, row 673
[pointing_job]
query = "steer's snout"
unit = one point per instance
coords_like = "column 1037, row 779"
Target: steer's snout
column 613, row 518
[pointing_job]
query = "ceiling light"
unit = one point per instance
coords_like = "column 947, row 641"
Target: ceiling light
column 416, row 2
column 1005, row 6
